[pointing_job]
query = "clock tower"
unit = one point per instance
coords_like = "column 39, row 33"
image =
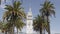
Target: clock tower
column 29, row 24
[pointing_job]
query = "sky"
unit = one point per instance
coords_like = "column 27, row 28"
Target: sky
column 35, row 6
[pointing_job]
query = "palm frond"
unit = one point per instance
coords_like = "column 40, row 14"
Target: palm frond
column 52, row 12
column 8, row 7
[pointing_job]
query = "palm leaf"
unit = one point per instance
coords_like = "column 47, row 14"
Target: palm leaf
column 8, row 7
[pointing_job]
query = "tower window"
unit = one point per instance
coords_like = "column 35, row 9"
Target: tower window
column 30, row 16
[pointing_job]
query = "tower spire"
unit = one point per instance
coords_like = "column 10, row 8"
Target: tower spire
column 30, row 6
column 30, row 9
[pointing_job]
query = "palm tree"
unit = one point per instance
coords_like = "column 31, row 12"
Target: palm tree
column 48, row 10
column 13, row 13
column 39, row 25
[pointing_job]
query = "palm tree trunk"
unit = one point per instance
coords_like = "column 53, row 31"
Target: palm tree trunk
column 48, row 28
column 41, row 28
column 12, row 32
column 48, row 25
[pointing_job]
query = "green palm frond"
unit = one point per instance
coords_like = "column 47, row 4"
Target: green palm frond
column 22, row 14
column 8, row 7
column 6, row 15
column 16, row 9
column 47, row 7
column 52, row 12
column 16, row 4
column 19, row 23
column 36, row 23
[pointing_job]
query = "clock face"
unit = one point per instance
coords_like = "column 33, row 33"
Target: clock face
column 29, row 18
